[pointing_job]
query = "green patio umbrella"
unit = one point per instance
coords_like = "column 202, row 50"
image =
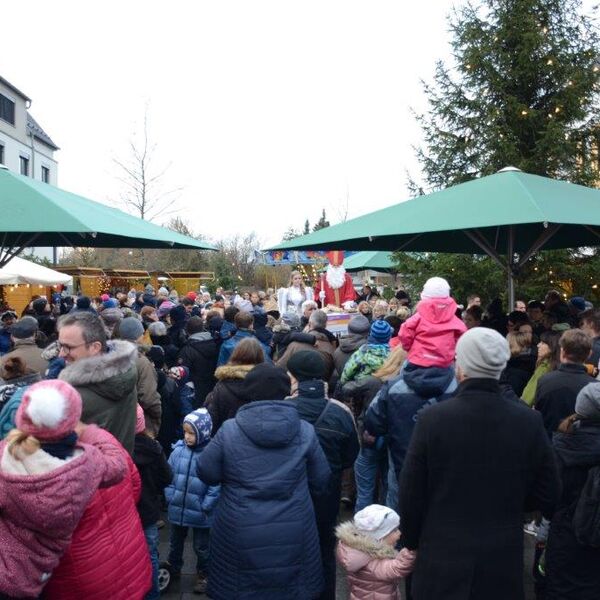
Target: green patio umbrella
column 39, row 214
column 375, row 261
column 509, row 216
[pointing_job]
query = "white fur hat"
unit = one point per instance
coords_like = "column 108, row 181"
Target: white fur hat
column 436, row 287
column 376, row 521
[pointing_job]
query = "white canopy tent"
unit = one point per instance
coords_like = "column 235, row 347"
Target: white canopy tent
column 21, row 271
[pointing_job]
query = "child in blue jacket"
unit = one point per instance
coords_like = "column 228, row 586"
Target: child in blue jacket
column 191, row 502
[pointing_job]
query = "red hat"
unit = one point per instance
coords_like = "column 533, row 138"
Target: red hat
column 104, row 297
column 335, row 257
column 192, row 296
column 50, row 410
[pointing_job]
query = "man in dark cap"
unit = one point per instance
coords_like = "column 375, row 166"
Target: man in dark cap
column 23, row 334
column 336, row 431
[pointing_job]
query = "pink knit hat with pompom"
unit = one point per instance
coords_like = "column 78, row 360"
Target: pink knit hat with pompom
column 50, row 410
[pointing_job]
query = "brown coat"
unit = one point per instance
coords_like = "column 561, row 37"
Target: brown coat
column 147, row 394
column 322, row 344
column 30, row 354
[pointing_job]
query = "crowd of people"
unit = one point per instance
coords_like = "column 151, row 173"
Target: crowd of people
column 449, row 431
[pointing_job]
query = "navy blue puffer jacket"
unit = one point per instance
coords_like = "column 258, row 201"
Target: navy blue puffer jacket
column 191, row 501
column 264, row 542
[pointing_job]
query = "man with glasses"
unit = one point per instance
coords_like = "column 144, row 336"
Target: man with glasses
column 103, row 372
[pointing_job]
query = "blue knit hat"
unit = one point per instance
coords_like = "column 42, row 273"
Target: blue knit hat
column 381, row 332
column 110, row 303
column 201, row 423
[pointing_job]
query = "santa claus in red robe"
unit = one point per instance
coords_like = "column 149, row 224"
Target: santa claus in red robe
column 335, row 285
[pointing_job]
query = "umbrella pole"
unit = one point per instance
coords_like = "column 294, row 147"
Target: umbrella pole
column 511, row 268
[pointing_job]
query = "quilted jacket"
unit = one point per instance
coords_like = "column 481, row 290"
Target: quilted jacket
column 374, row 568
column 108, row 557
column 264, row 542
column 42, row 499
column 191, row 501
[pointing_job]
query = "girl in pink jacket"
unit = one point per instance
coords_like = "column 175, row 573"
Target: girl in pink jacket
column 366, row 551
column 430, row 335
column 47, row 478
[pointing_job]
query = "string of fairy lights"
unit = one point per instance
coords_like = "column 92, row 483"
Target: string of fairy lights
column 550, row 62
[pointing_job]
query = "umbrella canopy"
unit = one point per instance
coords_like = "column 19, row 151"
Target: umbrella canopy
column 375, row 261
column 502, row 214
column 39, row 214
column 19, row 270
column 464, row 217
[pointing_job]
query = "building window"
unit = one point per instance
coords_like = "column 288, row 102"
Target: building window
column 24, row 165
column 7, row 109
column 1, row 154
column 45, row 174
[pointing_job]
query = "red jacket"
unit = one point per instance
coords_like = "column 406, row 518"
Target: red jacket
column 430, row 335
column 108, row 556
column 41, row 505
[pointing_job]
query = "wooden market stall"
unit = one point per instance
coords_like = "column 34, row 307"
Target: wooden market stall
column 94, row 281
column 182, row 281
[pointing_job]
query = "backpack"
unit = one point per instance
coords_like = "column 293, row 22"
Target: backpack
column 586, row 519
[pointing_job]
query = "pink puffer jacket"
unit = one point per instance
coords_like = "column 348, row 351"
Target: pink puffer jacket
column 430, row 335
column 108, row 557
column 42, row 499
column 374, row 568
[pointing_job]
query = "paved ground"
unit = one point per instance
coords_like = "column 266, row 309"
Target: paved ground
column 182, row 588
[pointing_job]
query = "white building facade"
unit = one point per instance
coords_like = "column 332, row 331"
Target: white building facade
column 24, row 146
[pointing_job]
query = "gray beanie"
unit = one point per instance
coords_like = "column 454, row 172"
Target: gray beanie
column 482, row 352
column 131, row 329
column 587, row 404
column 359, row 324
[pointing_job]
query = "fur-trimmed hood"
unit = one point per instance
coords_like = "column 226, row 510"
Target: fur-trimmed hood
column 105, row 369
column 233, row 371
column 365, row 548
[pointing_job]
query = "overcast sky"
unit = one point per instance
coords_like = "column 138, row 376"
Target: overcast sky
column 268, row 111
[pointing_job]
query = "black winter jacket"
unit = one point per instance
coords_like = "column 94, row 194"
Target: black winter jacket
column 518, row 372
column 155, row 474
column 227, row 396
column 336, row 431
column 172, row 412
column 476, row 463
column 199, row 355
column 557, row 391
column 571, row 569
column 338, row 438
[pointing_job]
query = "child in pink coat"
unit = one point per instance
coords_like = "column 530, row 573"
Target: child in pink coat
column 47, row 478
column 430, row 335
column 366, row 551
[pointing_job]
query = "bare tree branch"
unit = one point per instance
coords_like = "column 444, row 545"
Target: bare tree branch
column 143, row 193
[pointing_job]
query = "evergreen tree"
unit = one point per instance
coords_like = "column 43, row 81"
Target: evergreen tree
column 321, row 223
column 306, row 230
column 289, row 234
column 523, row 92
